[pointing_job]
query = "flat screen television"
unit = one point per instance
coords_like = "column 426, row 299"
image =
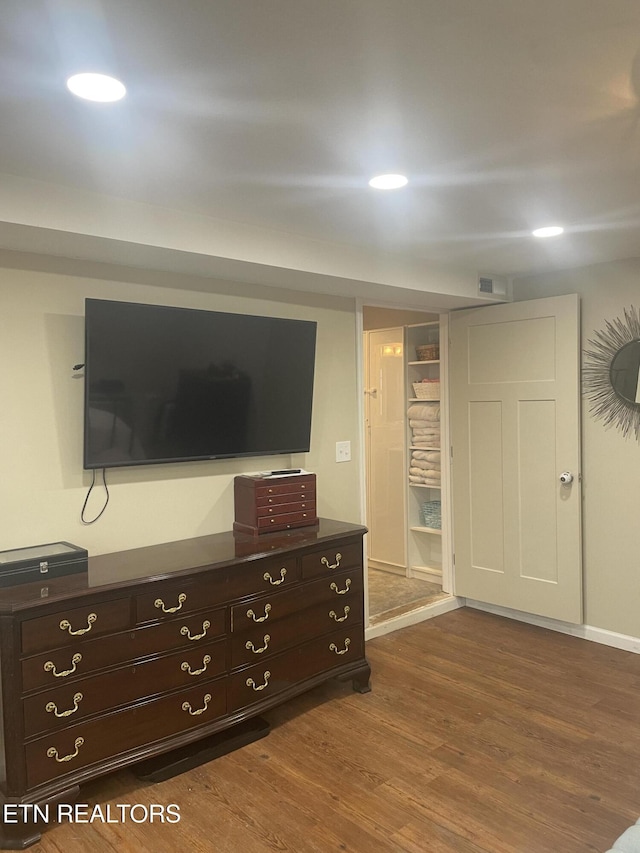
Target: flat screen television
column 167, row 384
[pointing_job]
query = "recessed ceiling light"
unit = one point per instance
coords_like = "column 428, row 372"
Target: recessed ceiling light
column 388, row 182
column 548, row 231
column 96, row 87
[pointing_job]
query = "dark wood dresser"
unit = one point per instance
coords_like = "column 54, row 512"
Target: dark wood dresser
column 158, row 647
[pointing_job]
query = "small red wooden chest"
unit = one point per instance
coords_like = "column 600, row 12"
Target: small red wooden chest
column 274, row 502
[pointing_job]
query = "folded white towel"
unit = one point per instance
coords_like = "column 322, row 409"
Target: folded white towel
column 424, row 465
column 424, row 411
column 420, row 472
column 422, row 481
column 418, row 424
column 429, row 455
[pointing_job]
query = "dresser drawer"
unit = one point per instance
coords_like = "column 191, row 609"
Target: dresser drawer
column 61, row 666
column 333, row 558
column 68, row 627
column 272, row 489
column 261, row 681
column 64, row 705
column 286, row 509
column 300, row 498
column 105, row 738
column 261, row 643
column 297, row 518
column 168, row 599
column 262, row 576
column 267, row 609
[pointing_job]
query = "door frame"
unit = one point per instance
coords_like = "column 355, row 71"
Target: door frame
column 447, row 539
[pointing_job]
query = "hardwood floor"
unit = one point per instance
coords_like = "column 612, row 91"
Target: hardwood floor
column 480, row 735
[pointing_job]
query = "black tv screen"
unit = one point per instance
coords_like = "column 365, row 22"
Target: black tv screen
column 169, row 384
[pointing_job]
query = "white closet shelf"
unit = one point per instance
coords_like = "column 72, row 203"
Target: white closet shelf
column 423, row 486
column 425, row 361
column 435, row 530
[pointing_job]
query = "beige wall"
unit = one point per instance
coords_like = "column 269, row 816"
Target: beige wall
column 611, row 463
column 384, row 318
column 43, row 484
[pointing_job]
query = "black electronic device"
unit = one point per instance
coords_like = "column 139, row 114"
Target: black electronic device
column 166, row 384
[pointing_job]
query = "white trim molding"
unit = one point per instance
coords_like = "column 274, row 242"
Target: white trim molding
column 586, row 632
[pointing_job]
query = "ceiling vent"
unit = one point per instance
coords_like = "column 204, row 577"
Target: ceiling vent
column 491, row 285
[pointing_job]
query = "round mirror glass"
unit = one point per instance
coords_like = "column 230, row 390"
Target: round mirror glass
column 624, row 372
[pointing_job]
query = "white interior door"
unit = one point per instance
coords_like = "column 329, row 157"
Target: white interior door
column 386, row 470
column 515, row 409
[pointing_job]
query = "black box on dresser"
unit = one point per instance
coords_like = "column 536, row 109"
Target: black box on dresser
column 39, row 562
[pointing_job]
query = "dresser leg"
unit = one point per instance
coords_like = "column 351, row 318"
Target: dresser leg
column 22, row 824
column 18, row 836
column 361, row 682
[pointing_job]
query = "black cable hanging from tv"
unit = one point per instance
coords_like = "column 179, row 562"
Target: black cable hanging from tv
column 86, row 500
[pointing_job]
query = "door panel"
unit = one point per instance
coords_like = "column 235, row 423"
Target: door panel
column 385, row 448
column 485, row 506
column 515, row 427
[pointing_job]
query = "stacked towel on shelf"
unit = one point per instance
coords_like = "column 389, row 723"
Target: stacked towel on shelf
column 425, row 412
column 424, row 466
column 424, row 420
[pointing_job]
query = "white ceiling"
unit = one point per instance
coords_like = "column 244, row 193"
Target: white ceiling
column 504, row 114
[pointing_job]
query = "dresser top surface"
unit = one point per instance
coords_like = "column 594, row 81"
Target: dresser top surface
column 124, row 569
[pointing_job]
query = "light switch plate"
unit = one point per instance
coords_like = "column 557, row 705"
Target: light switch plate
column 343, row 451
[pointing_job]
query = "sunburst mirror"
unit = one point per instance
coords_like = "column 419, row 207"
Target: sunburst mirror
column 611, row 377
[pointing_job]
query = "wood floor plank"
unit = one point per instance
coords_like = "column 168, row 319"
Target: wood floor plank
column 428, row 836
column 481, row 735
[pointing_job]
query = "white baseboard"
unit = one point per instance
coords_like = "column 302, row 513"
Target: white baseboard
column 389, row 568
column 425, row 573
column 421, row 614
column 586, row 632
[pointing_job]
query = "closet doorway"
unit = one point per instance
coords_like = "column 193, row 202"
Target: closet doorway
column 392, row 589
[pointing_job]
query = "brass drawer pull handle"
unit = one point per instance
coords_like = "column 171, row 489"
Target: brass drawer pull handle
column 250, row 647
column 325, row 562
column 333, row 615
column 252, row 615
column 185, row 666
column 65, row 625
column 52, row 752
column 251, row 683
column 51, row 667
column 187, row 707
column 267, row 577
column 159, row 603
column 334, row 648
column 51, row 707
column 187, row 633
column 347, row 585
